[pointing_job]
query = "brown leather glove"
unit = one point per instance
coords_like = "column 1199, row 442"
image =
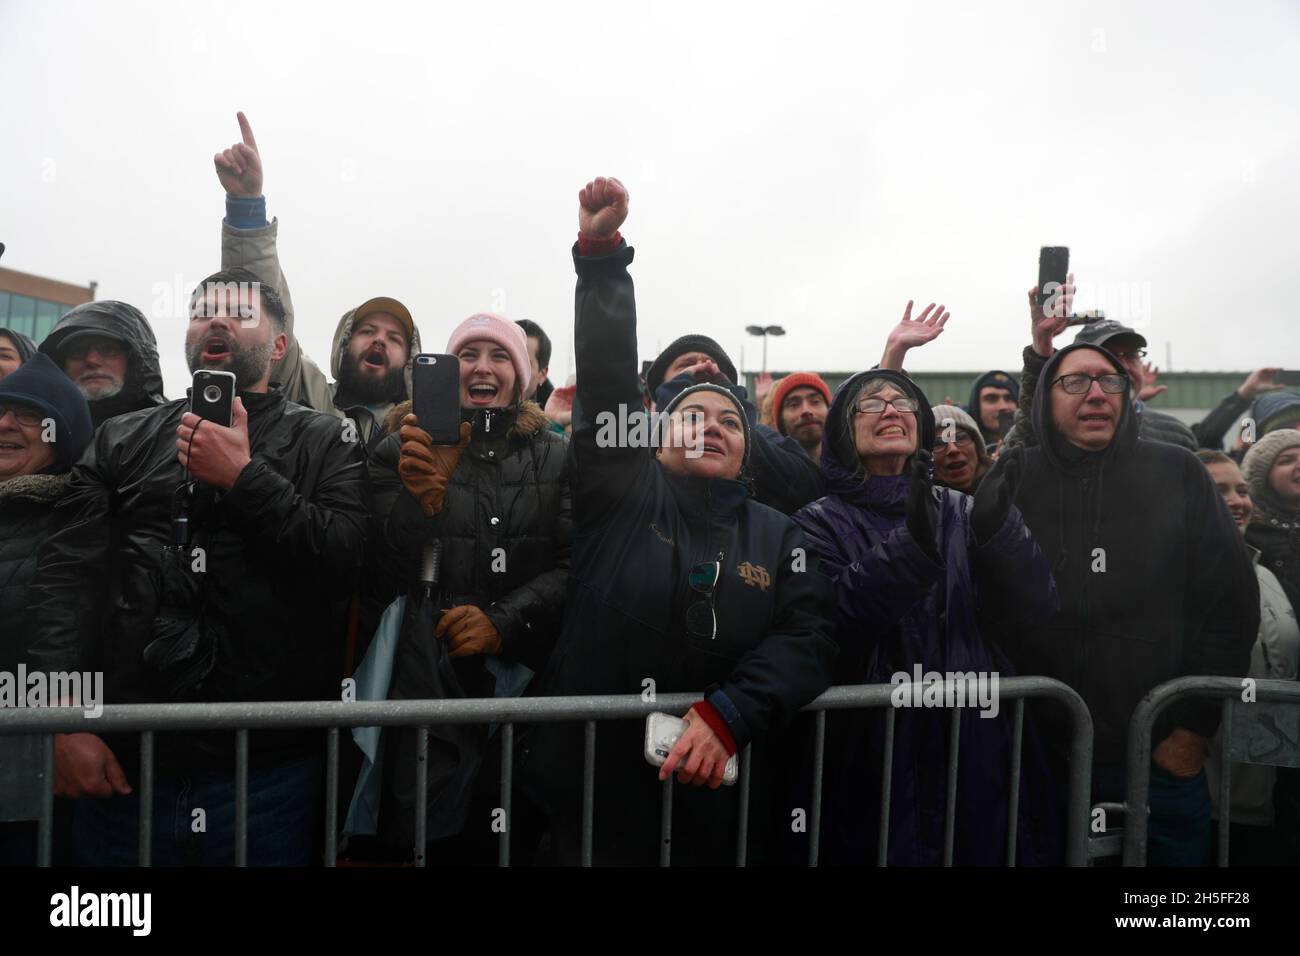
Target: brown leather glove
column 426, row 468
column 468, row 631
column 1182, row 753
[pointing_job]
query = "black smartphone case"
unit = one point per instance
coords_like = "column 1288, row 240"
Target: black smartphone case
column 217, row 407
column 1053, row 266
column 435, row 380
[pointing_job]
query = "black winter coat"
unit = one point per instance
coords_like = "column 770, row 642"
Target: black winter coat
column 281, row 550
column 26, row 505
column 638, row 532
column 507, row 506
column 1278, row 541
column 1178, row 595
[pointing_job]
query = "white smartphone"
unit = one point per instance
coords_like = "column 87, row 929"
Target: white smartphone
column 661, row 733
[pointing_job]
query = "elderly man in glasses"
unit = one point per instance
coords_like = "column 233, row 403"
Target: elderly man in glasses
column 1153, row 578
column 1048, row 320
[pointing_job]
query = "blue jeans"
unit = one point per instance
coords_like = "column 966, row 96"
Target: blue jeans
column 284, row 818
column 1178, row 829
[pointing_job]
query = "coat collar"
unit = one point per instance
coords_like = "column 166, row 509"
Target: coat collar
column 39, row 488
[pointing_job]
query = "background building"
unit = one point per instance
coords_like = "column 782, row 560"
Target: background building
column 31, row 304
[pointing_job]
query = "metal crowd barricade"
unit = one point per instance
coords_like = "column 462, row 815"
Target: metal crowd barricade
column 1265, row 730
column 149, row 719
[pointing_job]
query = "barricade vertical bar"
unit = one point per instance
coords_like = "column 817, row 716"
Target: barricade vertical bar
column 815, row 811
column 45, row 827
column 421, row 792
column 742, row 838
column 507, row 764
column 886, row 788
column 1013, row 811
column 331, row 796
column 666, row 824
column 950, row 806
column 241, row 797
column 1225, row 781
column 146, row 798
column 588, row 790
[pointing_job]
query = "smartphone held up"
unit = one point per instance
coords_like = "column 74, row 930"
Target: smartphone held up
column 435, row 384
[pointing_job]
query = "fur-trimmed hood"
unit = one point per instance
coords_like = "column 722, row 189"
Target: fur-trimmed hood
column 45, row 489
column 527, row 418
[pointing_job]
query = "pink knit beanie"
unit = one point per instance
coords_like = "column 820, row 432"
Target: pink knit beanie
column 500, row 331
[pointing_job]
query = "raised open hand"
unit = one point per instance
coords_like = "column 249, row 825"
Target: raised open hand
column 1150, row 387
column 602, row 207
column 910, row 332
column 240, row 167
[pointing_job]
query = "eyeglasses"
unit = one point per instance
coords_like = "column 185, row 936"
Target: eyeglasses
column 107, row 350
column 1135, row 353
column 25, row 414
column 1077, row 384
column 874, row 406
column 701, row 618
column 963, row 439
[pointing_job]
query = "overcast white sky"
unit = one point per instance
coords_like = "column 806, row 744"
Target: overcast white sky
column 813, row 165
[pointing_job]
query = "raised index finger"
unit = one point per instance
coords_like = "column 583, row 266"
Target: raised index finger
column 246, row 131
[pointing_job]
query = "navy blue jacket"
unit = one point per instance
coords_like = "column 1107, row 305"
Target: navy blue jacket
column 638, row 531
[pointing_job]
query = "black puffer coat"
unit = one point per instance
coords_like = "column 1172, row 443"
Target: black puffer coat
column 639, row 530
column 281, row 550
column 510, row 491
column 26, row 505
column 144, row 384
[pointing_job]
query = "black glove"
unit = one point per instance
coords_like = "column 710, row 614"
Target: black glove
column 919, row 515
column 994, row 496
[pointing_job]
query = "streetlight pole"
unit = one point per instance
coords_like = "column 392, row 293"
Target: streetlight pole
column 764, row 331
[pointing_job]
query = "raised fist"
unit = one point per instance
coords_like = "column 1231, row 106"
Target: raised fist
column 602, row 207
column 240, row 167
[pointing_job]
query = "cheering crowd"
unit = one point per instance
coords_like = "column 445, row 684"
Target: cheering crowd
column 1056, row 525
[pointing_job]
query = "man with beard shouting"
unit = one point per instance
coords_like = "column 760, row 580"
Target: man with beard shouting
column 245, row 602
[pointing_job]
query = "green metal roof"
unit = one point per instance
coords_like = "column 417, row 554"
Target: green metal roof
column 1187, row 390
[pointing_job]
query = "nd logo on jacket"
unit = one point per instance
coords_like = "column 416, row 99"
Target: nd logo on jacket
column 755, row 575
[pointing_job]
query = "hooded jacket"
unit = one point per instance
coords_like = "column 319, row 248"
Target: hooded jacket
column 299, row 377
column 898, row 609
column 25, row 347
column 1151, row 425
column 638, row 531
column 993, row 379
column 143, row 386
column 1154, row 579
column 280, row 550
column 373, row 422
